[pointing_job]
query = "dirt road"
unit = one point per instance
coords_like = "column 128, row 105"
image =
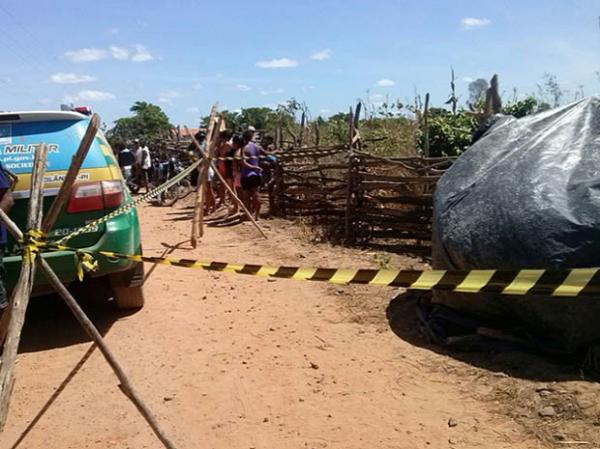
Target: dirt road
column 232, row 361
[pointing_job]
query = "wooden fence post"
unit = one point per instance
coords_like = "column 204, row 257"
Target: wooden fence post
column 348, row 234
column 426, row 126
column 22, row 292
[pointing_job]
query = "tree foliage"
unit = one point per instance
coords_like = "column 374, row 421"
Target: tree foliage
column 262, row 118
column 477, row 90
column 147, row 123
column 521, row 108
column 449, row 134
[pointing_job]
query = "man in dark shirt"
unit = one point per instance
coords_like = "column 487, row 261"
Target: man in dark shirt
column 126, row 157
column 6, row 203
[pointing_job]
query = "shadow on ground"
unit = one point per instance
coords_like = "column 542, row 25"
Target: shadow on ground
column 50, row 324
column 496, row 357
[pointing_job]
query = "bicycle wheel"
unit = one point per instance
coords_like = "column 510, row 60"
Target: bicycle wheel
column 169, row 197
column 185, row 188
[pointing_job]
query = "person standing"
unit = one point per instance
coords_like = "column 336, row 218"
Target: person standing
column 125, row 157
column 6, row 203
column 143, row 162
column 233, row 168
column 251, row 173
column 222, row 152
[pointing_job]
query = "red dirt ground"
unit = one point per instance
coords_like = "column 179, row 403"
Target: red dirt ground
column 229, row 361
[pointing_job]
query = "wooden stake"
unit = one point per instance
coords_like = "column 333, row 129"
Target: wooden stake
column 349, row 187
column 203, row 179
column 22, row 291
column 426, row 126
column 206, row 164
column 231, row 191
column 199, row 204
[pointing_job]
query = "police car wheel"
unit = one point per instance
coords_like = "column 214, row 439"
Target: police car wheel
column 127, row 287
column 129, row 297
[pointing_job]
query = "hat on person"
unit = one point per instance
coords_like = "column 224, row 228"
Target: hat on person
column 251, row 128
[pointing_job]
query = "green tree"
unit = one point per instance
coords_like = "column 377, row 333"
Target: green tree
column 521, row 108
column 147, row 123
column 449, row 134
column 261, row 118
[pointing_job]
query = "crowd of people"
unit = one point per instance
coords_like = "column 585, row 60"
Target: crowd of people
column 243, row 163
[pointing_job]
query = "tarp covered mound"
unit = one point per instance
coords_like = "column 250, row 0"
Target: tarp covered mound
column 526, row 195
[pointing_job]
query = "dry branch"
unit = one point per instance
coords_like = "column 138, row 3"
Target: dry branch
column 22, row 291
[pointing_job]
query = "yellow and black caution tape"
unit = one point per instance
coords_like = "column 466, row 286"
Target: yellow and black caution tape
column 568, row 282
column 32, row 242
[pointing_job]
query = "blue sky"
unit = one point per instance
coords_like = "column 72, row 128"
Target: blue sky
column 185, row 55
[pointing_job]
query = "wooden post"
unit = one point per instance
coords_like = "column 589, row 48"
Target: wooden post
column 349, row 209
column 71, row 176
column 22, row 291
column 317, row 133
column 199, row 203
column 357, row 114
column 426, row 126
column 493, row 102
column 453, row 100
column 302, row 123
column 206, row 166
column 278, row 136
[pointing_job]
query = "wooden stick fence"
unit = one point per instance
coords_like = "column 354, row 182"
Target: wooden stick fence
column 359, row 197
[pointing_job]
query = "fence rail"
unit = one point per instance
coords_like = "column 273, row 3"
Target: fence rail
column 361, row 198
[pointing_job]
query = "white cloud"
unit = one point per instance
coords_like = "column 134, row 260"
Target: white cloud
column 467, row 79
column 70, row 78
column 138, row 54
column 324, row 111
column 193, row 109
column 45, row 101
column 377, row 97
column 197, row 86
column 89, row 95
column 280, row 63
column 386, row 83
column 279, row 90
column 243, row 87
column 113, row 30
column 120, row 53
column 86, row 54
column 321, row 55
column 141, row 54
column 470, row 23
column 168, row 96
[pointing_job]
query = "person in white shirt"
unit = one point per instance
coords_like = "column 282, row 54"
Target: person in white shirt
column 144, row 163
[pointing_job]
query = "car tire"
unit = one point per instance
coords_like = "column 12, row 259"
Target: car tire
column 127, row 288
column 127, row 298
